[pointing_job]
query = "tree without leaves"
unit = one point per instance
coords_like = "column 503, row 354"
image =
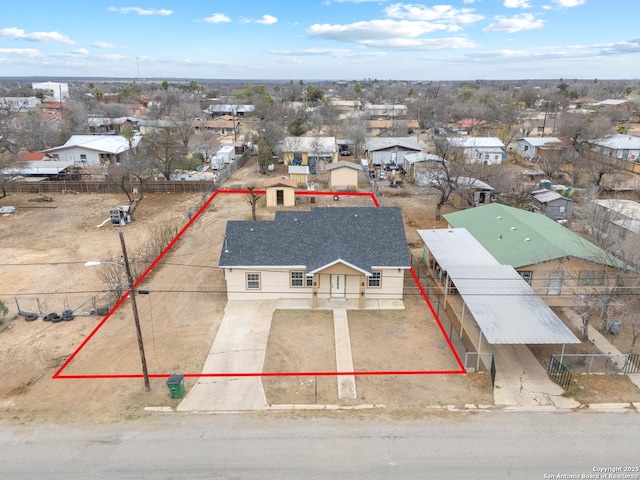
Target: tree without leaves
column 165, row 149
column 252, row 199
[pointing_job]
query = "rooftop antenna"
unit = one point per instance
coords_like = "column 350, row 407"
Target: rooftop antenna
column 226, row 247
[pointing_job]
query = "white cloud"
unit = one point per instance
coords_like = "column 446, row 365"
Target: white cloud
column 217, row 18
column 517, row 4
column 569, row 3
column 437, row 13
column 21, row 52
column 267, row 20
column 81, row 51
column 389, row 33
column 47, row 37
column 141, row 11
column 104, row 45
column 468, row 2
column 332, row 52
column 514, row 24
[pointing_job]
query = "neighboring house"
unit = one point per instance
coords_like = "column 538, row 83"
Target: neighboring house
column 19, row 104
column 385, row 151
column 56, row 92
column 326, row 253
column 551, row 204
column 534, row 147
column 280, row 192
column 377, row 128
column 501, row 302
column 558, row 263
column 541, row 125
column 485, row 150
column 619, row 146
column 150, row 126
column 299, row 173
column 344, row 174
column 229, row 109
column 92, row 150
column 106, row 125
column 311, row 151
column 223, row 125
column 386, row 110
column 624, row 214
column 346, row 105
column 470, row 124
column 413, row 163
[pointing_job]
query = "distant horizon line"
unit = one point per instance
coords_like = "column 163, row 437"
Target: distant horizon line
column 288, row 80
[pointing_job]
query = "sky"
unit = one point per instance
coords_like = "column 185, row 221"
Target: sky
column 322, row 39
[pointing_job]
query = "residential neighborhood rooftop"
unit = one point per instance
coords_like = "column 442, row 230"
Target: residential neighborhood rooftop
column 363, row 237
column 518, row 238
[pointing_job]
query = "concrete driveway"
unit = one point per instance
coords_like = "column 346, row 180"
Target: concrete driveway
column 239, row 347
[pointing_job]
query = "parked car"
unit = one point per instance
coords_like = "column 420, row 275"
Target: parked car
column 345, row 152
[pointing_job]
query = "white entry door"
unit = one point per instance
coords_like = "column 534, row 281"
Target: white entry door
column 337, row 285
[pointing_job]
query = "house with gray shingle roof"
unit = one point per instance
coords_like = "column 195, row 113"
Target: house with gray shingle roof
column 324, row 253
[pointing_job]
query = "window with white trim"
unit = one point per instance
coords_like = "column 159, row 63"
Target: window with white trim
column 253, row 281
column 375, row 280
column 297, row 279
column 309, row 281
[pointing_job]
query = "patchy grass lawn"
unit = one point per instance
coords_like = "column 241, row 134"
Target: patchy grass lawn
column 602, row 388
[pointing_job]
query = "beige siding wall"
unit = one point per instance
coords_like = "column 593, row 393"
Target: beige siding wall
column 289, row 196
column 572, row 270
column 299, row 178
column 276, row 284
column 344, row 177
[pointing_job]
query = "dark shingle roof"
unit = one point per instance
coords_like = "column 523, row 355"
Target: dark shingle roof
column 364, row 237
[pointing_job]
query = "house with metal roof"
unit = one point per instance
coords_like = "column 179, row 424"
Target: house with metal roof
column 92, row 150
column 309, row 150
column 558, row 263
column 383, row 151
column 551, row 204
column 534, row 147
column 505, row 307
column 618, row 146
column 335, row 253
column 485, row 150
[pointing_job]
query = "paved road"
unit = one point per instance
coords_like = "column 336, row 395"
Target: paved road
column 488, row 445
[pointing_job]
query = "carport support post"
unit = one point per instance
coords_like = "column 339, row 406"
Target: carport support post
column 562, row 354
column 462, row 319
column 479, row 350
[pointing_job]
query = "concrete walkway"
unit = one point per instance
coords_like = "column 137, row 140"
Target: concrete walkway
column 344, row 359
column 521, row 380
column 239, row 347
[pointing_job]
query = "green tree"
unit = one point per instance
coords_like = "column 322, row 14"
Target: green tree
column 297, row 127
column 165, row 85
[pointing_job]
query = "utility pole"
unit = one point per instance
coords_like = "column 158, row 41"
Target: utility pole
column 132, row 296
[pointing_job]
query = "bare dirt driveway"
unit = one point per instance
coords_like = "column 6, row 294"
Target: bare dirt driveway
column 44, row 251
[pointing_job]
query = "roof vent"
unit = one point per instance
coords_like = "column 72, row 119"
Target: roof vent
column 513, row 228
column 498, row 217
column 251, row 229
column 527, row 239
column 355, row 215
column 295, row 219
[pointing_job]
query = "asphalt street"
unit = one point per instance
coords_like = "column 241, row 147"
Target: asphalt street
column 484, row 445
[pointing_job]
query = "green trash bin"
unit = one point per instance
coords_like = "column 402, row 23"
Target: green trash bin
column 176, row 385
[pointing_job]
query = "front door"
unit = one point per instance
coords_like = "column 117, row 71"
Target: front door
column 337, row 285
column 279, row 197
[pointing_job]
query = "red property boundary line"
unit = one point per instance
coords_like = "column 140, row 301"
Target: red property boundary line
column 60, row 375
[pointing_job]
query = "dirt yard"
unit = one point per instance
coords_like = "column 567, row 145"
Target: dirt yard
column 45, row 247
